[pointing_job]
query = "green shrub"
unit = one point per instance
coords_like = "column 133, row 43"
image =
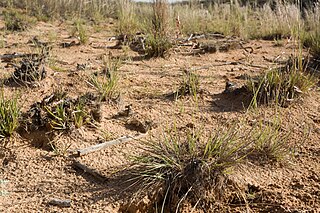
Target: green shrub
column 157, row 46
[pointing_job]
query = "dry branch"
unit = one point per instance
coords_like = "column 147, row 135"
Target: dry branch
column 10, row 57
column 104, row 145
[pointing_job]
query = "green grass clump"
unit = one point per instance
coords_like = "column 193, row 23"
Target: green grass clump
column 80, row 31
column 106, row 85
column 270, row 142
column 128, row 23
column 59, row 113
column 190, row 85
column 9, row 116
column 185, row 165
column 16, row 21
column 58, row 118
column 279, row 86
column 157, row 46
column 68, row 113
column 157, row 42
column 191, row 165
column 312, row 41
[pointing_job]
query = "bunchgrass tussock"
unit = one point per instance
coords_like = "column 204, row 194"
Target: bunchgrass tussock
column 9, row 116
column 106, row 84
column 127, row 23
column 80, row 31
column 157, row 46
column 158, row 42
column 189, row 85
column 185, row 164
column 312, row 41
column 17, row 21
column 270, row 142
column 280, row 86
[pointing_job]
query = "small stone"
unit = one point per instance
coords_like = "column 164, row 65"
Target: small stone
column 59, row 202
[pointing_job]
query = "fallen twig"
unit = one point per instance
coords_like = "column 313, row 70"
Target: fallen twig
column 104, row 145
column 9, row 57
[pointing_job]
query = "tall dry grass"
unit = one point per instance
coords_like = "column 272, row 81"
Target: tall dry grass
column 48, row 9
column 249, row 21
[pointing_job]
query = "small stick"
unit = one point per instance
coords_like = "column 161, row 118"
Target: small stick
column 104, row 145
column 16, row 55
column 92, row 172
column 59, row 202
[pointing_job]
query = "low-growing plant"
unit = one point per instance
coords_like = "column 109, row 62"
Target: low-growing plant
column 30, row 71
column 16, row 21
column 270, row 142
column 190, row 85
column 312, row 41
column 58, row 118
column 157, row 46
column 280, row 86
column 58, row 112
column 106, row 84
column 80, row 31
column 186, row 165
column 157, row 42
column 9, row 116
column 68, row 113
column 80, row 114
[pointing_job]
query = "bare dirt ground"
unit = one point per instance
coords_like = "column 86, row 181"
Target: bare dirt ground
column 35, row 174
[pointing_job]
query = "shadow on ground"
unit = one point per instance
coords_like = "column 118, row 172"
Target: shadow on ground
column 230, row 101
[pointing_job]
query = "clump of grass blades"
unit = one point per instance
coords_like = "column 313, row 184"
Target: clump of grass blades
column 185, row 166
column 190, row 85
column 80, row 31
column 279, row 86
column 16, row 21
column 107, row 84
column 312, row 41
column 127, row 18
column 157, row 46
column 9, row 116
column 270, row 142
column 157, row 42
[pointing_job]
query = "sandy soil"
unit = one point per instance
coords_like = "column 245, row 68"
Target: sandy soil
column 35, row 174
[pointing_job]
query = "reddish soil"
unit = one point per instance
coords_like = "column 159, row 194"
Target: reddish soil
column 35, row 174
